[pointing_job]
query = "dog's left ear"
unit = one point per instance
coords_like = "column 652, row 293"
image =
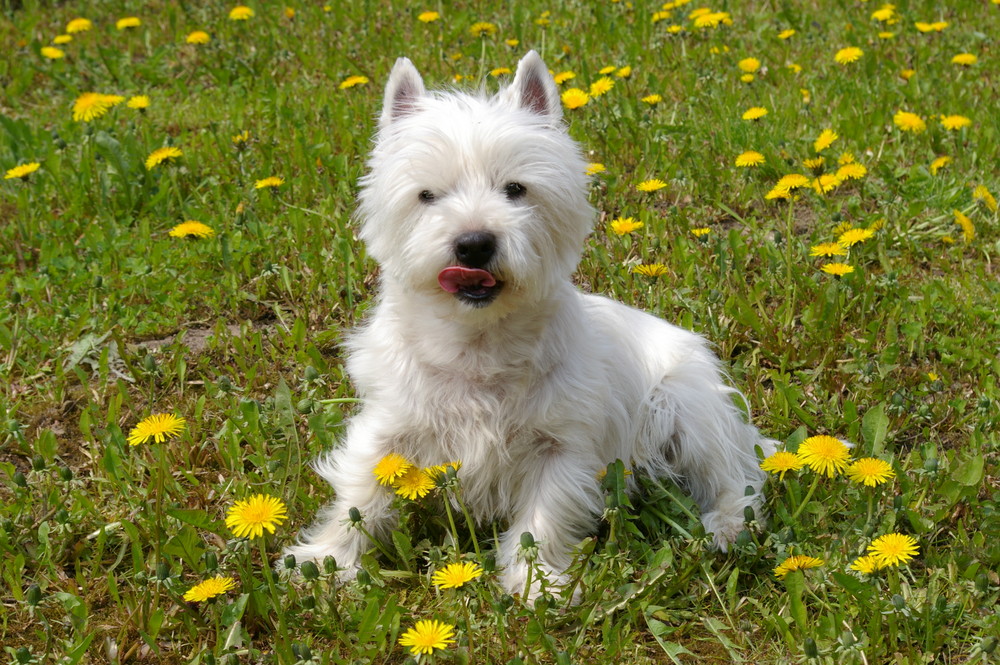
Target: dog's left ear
column 402, row 91
column 533, row 88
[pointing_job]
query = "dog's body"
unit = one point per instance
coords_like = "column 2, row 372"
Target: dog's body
column 481, row 350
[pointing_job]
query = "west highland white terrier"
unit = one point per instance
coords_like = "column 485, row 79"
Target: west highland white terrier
column 481, row 350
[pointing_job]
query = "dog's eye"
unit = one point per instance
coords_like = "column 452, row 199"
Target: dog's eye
column 426, row 196
column 514, row 190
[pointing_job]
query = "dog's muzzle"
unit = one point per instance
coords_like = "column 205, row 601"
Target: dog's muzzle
column 469, row 280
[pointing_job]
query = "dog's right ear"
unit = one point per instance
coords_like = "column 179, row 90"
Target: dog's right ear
column 401, row 92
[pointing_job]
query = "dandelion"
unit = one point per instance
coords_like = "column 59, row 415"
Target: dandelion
column 241, row 13
column 701, row 232
column 651, row 185
column 352, row 81
column 939, row 163
column 160, row 155
column 624, row 72
column 749, row 158
column 825, row 183
column 650, row 269
column 79, row 25
column 92, row 105
column 852, row 237
column 198, row 37
column 428, row 17
column 968, row 228
column 783, row 188
column 140, row 103
column 796, row 562
column 754, row 113
column 846, row 56
column 455, row 575
column 428, row 636
column 208, row 589
column 884, row 14
column 62, row 39
column 676, row 29
column 747, row 78
column 390, row 468
column 907, row 74
column 624, row 225
column 500, row 71
column 52, row 53
column 250, row 517
column 937, row 26
column 852, row 171
column 415, row 483
column 893, row 549
column 814, row 164
column 785, row 34
column 157, row 427
column 828, row 249
column 980, row 193
column 837, row 270
column 909, row 122
column 22, row 171
column 438, row 470
column 601, row 86
column 866, row 564
column 191, row 228
column 652, row 100
column 954, row 122
column 749, row 65
column 482, row 29
column 886, row 35
column 825, row 140
column 825, row 454
column 562, row 77
column 574, row 98
column 870, row 471
column 594, row 168
column 846, row 158
column 782, row 462
column 128, row 22
column 269, row 182
column 964, row 59
column 660, row 16
column 713, row 20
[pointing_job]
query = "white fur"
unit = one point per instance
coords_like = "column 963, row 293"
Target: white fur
column 539, row 390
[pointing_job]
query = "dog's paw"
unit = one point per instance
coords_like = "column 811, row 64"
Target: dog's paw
column 725, row 523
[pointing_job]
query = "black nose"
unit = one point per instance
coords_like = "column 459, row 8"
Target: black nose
column 475, row 248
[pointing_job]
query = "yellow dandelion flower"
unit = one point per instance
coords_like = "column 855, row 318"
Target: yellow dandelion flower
column 482, row 29
column 754, row 113
column 909, row 122
column 22, row 171
column 562, row 77
column 878, row 224
column 601, row 86
column 701, row 232
column 870, row 471
column 62, row 39
column 160, row 155
column 837, row 269
column 651, row 185
column 828, row 249
column 884, row 14
column 241, row 140
column 208, row 589
column 968, row 228
column 866, row 564
column 574, row 98
column 852, row 171
column 512, row 42
column 269, row 182
column 825, row 183
column 92, row 105
column 852, row 237
column 594, row 168
column 426, row 637
column 652, row 100
column 939, row 163
column 139, row 103
column 52, row 53
column 128, row 22
column 701, row 11
column 964, row 59
column 713, row 20
column 907, row 74
column 500, row 71
column 157, row 427
column 846, row 56
column 924, row 26
column 825, row 140
column 954, row 122
column 796, row 562
column 660, row 16
column 747, row 78
column 814, row 163
column 886, row 35
column 825, row 454
column 624, row 225
column 893, row 549
column 391, row 468
column 846, row 158
column 749, row 158
column 455, row 575
column 980, row 193
column 198, row 37
column 415, row 483
column 428, row 17
column 250, row 517
column 782, row 462
column 785, row 34
column 624, row 72
column 749, row 65
column 650, row 269
column 606, row 70
column 676, row 29
column 241, row 13
column 438, row 470
column 353, row 81
column 79, row 25
column 191, row 228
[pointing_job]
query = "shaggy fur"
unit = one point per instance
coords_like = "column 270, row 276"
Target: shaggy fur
column 534, row 386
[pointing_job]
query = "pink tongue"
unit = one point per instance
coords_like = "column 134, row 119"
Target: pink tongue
column 454, row 277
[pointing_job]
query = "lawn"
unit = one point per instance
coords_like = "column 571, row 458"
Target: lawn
column 812, row 186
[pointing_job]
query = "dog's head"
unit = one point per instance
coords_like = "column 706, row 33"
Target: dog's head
column 478, row 201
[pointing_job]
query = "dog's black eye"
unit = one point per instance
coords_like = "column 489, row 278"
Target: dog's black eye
column 514, row 190
column 426, row 196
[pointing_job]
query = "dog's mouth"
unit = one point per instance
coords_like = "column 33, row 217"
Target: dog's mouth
column 472, row 285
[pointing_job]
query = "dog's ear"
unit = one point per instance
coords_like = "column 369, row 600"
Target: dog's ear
column 401, row 92
column 533, row 88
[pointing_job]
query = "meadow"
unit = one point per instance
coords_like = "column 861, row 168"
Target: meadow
column 812, row 186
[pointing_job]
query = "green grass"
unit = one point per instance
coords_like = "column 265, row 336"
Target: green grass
column 108, row 319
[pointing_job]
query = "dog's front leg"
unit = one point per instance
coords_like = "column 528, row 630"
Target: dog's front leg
column 559, row 502
column 350, row 470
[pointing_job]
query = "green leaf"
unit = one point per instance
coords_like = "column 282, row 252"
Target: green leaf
column 874, row 427
column 795, row 583
column 969, row 473
column 233, row 612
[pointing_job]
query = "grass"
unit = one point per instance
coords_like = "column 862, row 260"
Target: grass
column 108, row 319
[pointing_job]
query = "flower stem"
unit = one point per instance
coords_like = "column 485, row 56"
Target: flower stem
column 805, row 500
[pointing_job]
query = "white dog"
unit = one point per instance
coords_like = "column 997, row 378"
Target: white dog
column 480, row 349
